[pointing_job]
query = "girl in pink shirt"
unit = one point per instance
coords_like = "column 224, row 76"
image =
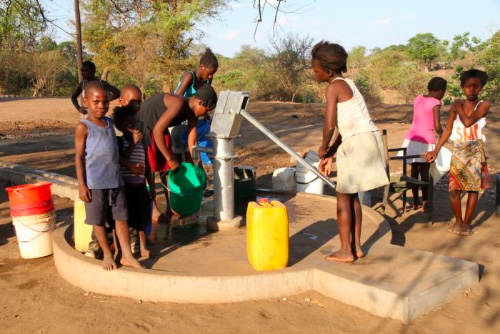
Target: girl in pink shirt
column 421, row 136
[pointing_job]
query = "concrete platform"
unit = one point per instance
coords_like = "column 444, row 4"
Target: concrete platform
column 391, row 281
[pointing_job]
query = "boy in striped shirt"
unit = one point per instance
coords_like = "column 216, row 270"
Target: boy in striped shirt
column 135, row 171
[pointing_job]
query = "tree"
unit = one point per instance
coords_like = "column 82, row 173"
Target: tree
column 143, row 40
column 488, row 58
column 21, row 23
column 46, row 65
column 412, row 81
column 357, row 57
column 383, row 69
column 46, row 44
column 462, row 44
column 290, row 61
column 424, row 48
column 250, row 55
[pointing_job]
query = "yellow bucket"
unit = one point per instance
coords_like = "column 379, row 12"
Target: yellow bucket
column 83, row 232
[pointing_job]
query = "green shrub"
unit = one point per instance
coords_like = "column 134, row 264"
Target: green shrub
column 370, row 92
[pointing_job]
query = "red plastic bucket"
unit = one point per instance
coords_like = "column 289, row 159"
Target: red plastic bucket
column 30, row 199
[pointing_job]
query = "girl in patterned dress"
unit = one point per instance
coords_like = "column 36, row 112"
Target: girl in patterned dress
column 468, row 169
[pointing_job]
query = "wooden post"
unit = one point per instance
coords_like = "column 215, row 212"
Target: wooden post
column 79, row 49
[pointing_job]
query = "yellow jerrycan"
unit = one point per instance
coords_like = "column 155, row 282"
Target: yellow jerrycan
column 83, row 232
column 267, row 235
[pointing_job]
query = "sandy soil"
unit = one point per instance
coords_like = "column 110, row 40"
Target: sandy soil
column 37, row 300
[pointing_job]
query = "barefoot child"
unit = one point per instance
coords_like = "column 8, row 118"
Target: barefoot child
column 131, row 95
column 468, row 169
column 166, row 110
column 88, row 74
column 97, row 170
column 135, row 171
column 421, row 136
column 360, row 162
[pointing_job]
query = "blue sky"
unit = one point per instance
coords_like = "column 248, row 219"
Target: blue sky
column 356, row 22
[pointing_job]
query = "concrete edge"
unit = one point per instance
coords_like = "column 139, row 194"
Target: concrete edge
column 439, row 294
column 161, row 286
column 371, row 299
column 62, row 186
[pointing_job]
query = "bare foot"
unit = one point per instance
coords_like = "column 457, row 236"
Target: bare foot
column 108, row 263
column 155, row 214
column 462, row 230
column 146, row 253
column 131, row 262
column 341, row 256
column 359, row 252
column 452, row 228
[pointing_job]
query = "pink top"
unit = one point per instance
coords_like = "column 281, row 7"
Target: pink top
column 422, row 127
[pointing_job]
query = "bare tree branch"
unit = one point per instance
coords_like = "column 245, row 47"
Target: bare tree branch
column 276, row 16
column 278, row 8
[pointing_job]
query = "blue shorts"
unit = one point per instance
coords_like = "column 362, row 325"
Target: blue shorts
column 106, row 205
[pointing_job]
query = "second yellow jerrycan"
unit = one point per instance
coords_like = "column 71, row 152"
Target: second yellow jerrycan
column 83, row 232
column 267, row 235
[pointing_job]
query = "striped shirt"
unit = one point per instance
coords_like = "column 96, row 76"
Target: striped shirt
column 137, row 156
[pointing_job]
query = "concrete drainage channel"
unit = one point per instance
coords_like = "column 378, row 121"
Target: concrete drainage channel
column 392, row 281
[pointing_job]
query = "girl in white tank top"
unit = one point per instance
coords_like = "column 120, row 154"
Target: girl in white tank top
column 360, row 159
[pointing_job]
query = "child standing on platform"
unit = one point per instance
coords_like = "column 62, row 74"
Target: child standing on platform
column 97, row 170
column 88, row 74
column 421, row 137
column 468, row 168
column 135, row 171
column 360, row 155
column 131, row 95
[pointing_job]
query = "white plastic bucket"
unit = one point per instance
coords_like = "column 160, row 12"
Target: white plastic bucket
column 284, row 180
column 442, row 164
column 306, row 180
column 34, row 234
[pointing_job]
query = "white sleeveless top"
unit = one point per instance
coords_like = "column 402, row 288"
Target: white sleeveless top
column 461, row 134
column 352, row 115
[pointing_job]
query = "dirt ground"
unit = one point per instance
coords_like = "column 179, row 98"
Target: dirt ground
column 38, row 133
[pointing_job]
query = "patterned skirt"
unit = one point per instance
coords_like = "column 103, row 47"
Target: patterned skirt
column 468, row 168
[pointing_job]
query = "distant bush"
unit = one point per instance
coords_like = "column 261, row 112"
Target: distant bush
column 230, row 80
column 412, row 81
column 370, row 92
